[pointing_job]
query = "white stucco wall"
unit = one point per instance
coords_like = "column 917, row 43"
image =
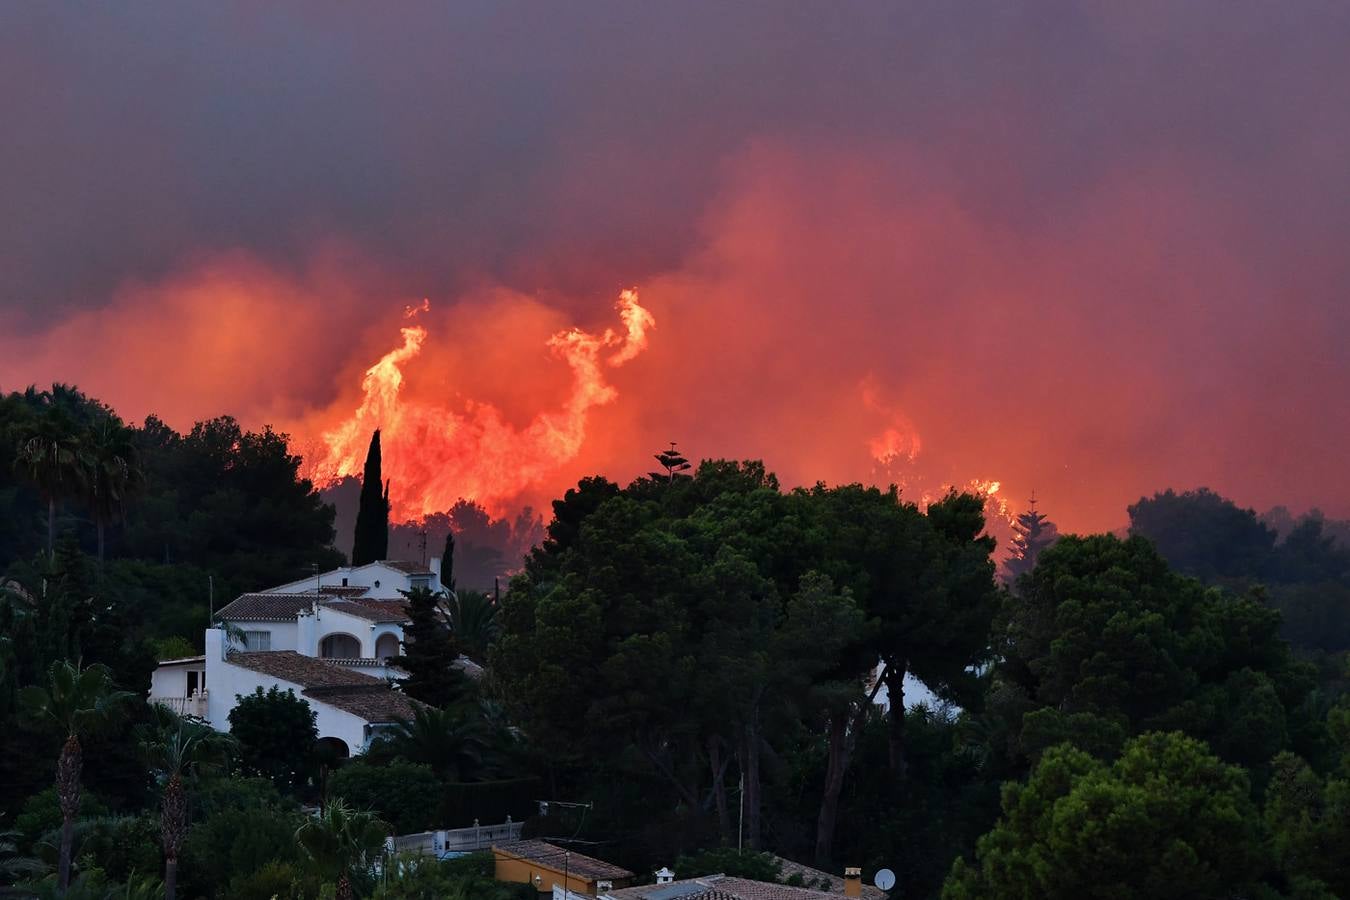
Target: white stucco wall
column 284, row 634
column 331, row 621
column 390, row 581
column 171, row 680
column 226, row 681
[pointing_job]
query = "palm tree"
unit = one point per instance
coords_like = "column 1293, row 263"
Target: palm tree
column 11, row 864
column 340, row 841
column 49, row 453
column 177, row 747
column 457, row 743
column 80, row 701
column 112, row 472
column 473, row 619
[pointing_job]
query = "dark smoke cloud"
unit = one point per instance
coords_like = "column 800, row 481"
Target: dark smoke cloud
column 1091, row 248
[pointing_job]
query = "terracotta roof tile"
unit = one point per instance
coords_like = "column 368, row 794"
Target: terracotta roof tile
column 554, row 857
column 376, row 703
column 370, row 698
column 745, row 889
column 407, row 567
column 823, row 881
column 720, row 887
column 306, row 671
column 368, row 610
column 266, row 607
column 343, row 590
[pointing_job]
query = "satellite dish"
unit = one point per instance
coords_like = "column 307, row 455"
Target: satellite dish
column 885, row 879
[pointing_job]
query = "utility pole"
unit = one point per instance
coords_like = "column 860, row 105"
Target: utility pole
column 740, row 825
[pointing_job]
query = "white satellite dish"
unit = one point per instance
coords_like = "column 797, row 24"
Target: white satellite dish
column 885, row 879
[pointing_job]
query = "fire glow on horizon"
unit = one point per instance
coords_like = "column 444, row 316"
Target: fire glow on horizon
column 434, row 456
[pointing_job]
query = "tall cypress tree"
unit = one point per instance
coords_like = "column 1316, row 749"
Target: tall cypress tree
column 371, row 542
column 448, row 562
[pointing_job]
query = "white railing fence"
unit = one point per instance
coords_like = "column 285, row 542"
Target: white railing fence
column 455, row 841
column 185, row 706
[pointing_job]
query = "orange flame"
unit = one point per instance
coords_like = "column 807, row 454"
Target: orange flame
column 434, row 456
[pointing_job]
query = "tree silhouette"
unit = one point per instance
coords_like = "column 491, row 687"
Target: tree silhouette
column 177, row 748
column 1034, row 532
column 674, row 464
column 112, row 472
column 371, row 542
column 50, row 455
column 430, row 651
column 79, row 701
column 448, row 562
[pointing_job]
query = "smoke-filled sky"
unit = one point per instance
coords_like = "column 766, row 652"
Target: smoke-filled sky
column 1091, row 249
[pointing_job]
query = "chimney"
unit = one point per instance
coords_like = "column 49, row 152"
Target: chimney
column 664, row 876
column 853, row 882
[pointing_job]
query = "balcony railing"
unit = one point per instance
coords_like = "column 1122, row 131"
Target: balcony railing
column 456, row 841
column 185, row 706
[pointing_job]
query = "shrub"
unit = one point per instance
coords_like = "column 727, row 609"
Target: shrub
column 424, row 878
column 234, row 841
column 120, row 845
column 41, row 815
column 397, row 792
column 737, row 863
column 274, row 881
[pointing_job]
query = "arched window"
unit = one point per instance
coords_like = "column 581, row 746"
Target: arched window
column 332, row 749
column 387, row 645
column 340, row 646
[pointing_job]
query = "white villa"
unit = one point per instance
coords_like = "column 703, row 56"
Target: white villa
column 327, row 638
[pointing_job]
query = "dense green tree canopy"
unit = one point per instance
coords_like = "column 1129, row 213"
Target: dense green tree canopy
column 1166, row 819
column 276, row 732
column 1107, row 641
column 430, row 651
column 1204, row 534
column 696, row 620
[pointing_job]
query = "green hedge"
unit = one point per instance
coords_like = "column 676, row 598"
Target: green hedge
column 397, row 792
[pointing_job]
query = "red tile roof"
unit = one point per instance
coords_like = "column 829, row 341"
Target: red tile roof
column 343, row 590
column 266, row 607
column 367, row 610
column 745, row 889
column 288, row 607
column 554, row 858
column 407, row 567
column 306, row 671
column 823, row 881
column 721, row 887
column 380, row 704
column 369, row 698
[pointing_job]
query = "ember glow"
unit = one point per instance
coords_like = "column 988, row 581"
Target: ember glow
column 435, row 455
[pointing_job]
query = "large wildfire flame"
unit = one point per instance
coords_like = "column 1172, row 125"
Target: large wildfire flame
column 434, row 456
column 895, row 451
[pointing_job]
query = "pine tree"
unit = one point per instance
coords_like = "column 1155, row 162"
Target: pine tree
column 371, row 542
column 1035, row 532
column 430, row 652
column 674, row 464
